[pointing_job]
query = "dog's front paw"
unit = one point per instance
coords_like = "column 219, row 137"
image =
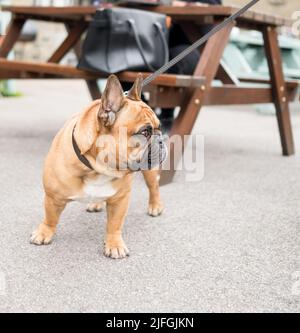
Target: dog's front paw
column 115, row 248
column 43, row 235
column 155, row 209
column 95, row 207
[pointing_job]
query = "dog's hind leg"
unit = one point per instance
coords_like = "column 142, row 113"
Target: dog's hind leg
column 44, row 233
column 94, row 207
column 155, row 206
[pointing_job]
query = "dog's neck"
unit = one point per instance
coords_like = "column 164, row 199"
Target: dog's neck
column 104, row 169
column 89, row 160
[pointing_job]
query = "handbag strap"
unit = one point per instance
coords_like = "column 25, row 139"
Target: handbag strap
column 158, row 26
column 164, row 41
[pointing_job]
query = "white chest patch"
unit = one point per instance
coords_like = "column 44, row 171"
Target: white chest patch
column 96, row 189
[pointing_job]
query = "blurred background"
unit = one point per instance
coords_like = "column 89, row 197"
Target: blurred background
column 43, row 37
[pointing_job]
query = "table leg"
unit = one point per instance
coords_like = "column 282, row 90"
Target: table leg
column 91, row 84
column 273, row 55
column 12, row 35
column 70, row 41
column 93, row 89
column 207, row 67
column 225, row 75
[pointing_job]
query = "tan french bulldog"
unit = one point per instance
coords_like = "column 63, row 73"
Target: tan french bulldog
column 80, row 167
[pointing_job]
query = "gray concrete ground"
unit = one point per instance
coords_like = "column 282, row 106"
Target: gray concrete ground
column 227, row 243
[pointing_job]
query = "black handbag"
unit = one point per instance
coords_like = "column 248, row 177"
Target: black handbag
column 121, row 39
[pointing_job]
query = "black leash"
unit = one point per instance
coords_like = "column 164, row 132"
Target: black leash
column 199, row 42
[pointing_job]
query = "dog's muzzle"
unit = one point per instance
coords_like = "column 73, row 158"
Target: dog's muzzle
column 154, row 155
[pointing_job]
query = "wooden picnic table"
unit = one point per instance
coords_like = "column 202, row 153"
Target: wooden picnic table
column 188, row 92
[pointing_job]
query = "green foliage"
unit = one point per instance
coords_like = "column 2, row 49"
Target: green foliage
column 6, row 92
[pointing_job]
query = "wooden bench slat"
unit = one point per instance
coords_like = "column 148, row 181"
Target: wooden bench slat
column 192, row 11
column 229, row 95
column 10, row 69
column 224, row 95
column 188, row 12
column 50, row 10
column 290, row 84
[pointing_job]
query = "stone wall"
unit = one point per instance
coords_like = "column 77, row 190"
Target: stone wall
column 49, row 36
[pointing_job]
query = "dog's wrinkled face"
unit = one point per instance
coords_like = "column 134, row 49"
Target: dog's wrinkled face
column 135, row 129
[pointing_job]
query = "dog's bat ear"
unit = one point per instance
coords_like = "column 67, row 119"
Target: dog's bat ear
column 135, row 92
column 111, row 101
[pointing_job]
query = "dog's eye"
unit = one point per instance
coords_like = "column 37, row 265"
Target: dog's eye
column 147, row 132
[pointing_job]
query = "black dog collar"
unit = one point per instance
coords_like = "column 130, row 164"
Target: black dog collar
column 81, row 157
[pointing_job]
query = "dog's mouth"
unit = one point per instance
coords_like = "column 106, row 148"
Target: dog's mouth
column 153, row 156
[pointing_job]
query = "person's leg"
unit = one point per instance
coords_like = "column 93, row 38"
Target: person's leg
column 185, row 67
column 178, row 42
column 126, row 86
